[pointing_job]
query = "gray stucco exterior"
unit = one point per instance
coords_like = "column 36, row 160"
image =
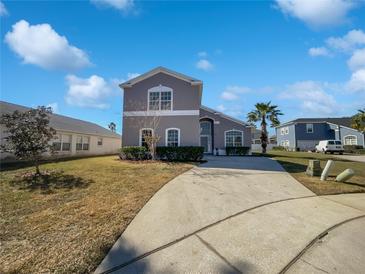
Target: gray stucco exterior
column 185, row 114
column 299, row 138
column 222, row 123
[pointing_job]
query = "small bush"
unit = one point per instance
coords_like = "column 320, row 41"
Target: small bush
column 237, row 151
column 134, row 153
column 353, row 149
column 187, row 153
column 279, row 148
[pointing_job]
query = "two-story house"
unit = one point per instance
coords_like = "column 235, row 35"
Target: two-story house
column 305, row 133
column 167, row 104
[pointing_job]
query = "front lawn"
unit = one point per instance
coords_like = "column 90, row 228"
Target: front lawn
column 296, row 164
column 67, row 222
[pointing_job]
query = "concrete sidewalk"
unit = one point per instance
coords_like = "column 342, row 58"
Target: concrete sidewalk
column 230, row 214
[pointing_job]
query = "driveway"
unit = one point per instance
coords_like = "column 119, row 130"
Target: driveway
column 231, row 214
column 356, row 158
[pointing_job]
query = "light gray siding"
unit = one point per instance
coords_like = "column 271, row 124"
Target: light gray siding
column 344, row 131
column 290, row 136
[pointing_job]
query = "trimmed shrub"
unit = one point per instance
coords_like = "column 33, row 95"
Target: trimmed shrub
column 134, row 153
column 187, row 153
column 240, row 151
column 280, row 148
column 354, row 149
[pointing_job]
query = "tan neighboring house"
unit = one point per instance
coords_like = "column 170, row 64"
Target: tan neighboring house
column 74, row 137
column 167, row 104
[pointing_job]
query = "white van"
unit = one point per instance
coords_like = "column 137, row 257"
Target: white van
column 331, row 146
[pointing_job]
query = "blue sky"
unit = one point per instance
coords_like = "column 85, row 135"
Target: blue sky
column 307, row 57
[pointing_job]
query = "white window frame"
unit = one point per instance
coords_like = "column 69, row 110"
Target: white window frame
column 282, row 130
column 140, row 134
column 160, row 89
column 60, row 140
column 225, row 136
column 286, row 130
column 178, row 133
column 306, row 128
column 344, row 140
column 83, row 143
column 97, row 141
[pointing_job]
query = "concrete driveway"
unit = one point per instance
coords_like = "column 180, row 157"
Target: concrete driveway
column 229, row 215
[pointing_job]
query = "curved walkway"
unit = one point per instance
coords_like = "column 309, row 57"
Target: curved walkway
column 228, row 215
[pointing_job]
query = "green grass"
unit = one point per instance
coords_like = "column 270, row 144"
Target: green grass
column 296, row 164
column 68, row 220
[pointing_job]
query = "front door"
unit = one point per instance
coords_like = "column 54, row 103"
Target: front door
column 206, row 143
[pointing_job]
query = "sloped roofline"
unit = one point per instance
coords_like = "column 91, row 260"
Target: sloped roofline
column 319, row 121
column 105, row 133
column 164, row 70
column 224, row 116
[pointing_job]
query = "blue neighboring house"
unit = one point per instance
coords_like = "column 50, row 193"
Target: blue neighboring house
column 305, row 133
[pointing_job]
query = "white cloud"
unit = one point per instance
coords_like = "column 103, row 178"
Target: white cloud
column 122, row 5
column 312, row 96
column 87, row 92
column 131, row 75
column 3, row 10
column 42, row 46
column 221, row 108
column 357, row 81
column 357, row 60
column 320, row 51
column 232, row 93
column 204, row 64
column 348, row 42
column 317, row 13
column 229, row 96
column 54, row 107
column 203, row 54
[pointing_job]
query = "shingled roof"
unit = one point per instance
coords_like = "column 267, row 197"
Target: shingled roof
column 60, row 122
column 342, row 121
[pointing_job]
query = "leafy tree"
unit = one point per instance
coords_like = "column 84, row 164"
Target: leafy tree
column 264, row 112
column 112, row 126
column 28, row 134
column 358, row 120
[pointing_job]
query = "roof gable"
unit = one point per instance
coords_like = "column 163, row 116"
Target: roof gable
column 223, row 115
column 157, row 70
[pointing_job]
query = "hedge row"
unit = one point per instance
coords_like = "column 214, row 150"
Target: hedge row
column 240, row 151
column 354, row 149
column 184, row 153
column 187, row 153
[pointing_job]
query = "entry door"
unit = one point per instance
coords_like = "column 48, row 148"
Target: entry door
column 206, row 143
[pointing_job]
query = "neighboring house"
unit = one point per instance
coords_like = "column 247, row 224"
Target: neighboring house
column 256, row 137
column 74, row 137
column 305, row 133
column 167, row 104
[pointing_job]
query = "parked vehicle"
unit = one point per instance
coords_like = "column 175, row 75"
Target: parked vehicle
column 330, row 146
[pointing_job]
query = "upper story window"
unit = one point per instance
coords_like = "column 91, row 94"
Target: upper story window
column 172, row 137
column 284, row 130
column 62, row 142
column 234, row 138
column 160, row 98
column 309, row 128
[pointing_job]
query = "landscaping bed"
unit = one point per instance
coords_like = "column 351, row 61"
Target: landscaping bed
column 68, row 221
column 296, row 164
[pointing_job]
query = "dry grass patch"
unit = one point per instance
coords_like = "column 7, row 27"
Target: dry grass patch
column 296, row 164
column 69, row 226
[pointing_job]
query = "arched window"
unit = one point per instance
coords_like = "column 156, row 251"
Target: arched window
column 233, row 138
column 172, row 137
column 160, row 98
column 142, row 134
column 350, row 140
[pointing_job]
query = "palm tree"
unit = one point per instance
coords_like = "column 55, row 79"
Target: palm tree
column 112, row 126
column 358, row 120
column 264, row 112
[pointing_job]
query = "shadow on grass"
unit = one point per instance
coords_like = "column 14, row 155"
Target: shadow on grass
column 308, row 156
column 292, row 167
column 49, row 182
